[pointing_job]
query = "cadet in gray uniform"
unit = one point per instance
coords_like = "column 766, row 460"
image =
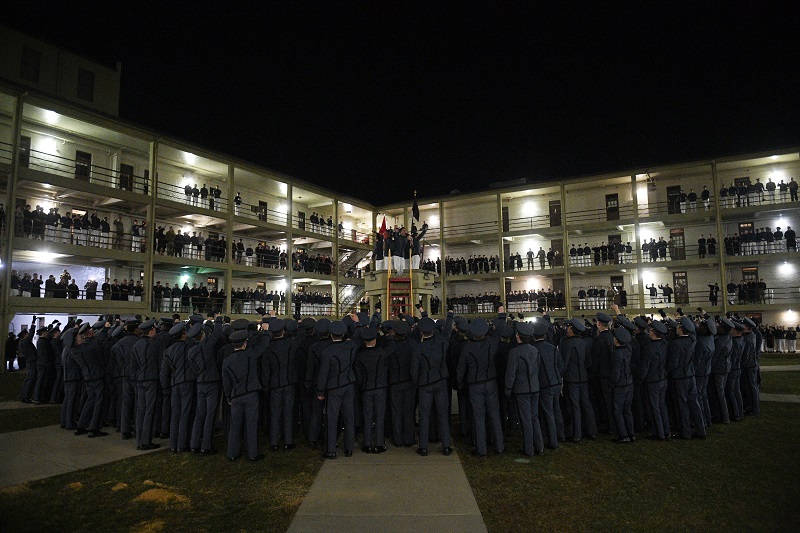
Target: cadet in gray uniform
column 551, row 367
column 336, row 385
column 653, row 372
column 88, row 355
column 321, row 328
column 401, row 388
column 750, row 364
column 122, row 352
column 477, row 370
column 72, row 378
column 178, row 381
column 429, row 373
column 622, row 383
column 144, row 372
column 680, row 365
column 602, row 350
column 241, row 385
column 372, row 376
column 703, row 355
column 281, row 378
column 574, row 351
column 720, row 367
column 522, row 381
column 203, row 361
column 733, row 390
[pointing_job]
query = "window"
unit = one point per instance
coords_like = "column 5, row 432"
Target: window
column 85, row 85
column 680, row 284
column 750, row 274
column 83, row 165
column 612, row 206
column 24, row 151
column 30, row 64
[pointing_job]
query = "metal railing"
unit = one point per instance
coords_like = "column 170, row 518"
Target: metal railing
column 676, row 207
column 83, row 237
column 532, row 222
column 95, row 174
column 609, row 214
column 176, row 193
column 463, row 230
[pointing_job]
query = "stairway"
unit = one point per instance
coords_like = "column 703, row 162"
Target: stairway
column 350, row 258
column 349, row 297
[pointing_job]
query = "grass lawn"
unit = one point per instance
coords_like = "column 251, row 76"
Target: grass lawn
column 773, row 359
column 743, row 477
column 165, row 492
column 780, row 382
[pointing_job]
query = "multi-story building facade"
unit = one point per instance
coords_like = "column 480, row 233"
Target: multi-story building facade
column 56, row 152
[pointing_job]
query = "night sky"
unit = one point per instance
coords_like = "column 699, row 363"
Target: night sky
column 377, row 99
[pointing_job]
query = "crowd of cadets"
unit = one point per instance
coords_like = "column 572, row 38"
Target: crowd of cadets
column 204, row 197
column 601, row 298
column 602, row 254
column 761, row 241
column 404, row 247
column 518, row 301
column 758, row 193
column 80, row 230
column 33, row 286
column 167, row 379
column 779, row 339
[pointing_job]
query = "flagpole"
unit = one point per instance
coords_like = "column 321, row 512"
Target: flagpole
column 388, row 278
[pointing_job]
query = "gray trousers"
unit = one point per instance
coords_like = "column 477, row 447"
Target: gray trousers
column 374, row 410
column 68, row 407
column 733, row 392
column 90, row 415
column 128, row 403
column 315, row 419
column 607, row 390
column 551, row 415
column 528, row 411
column 145, row 408
column 752, row 379
column 340, row 401
column 182, row 397
column 688, row 407
column 58, row 384
column 401, row 396
column 483, row 397
column 581, row 404
column 623, row 416
column 719, row 389
column 205, row 415
column 657, row 396
column 281, row 407
column 29, row 384
column 42, row 391
column 434, row 396
column 244, row 421
column 701, row 383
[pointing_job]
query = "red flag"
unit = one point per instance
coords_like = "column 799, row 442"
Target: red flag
column 383, row 227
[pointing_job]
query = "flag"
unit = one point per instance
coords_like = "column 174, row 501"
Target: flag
column 415, row 208
column 383, row 227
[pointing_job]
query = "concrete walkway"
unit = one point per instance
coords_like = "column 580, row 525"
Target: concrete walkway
column 49, row 451
column 394, row 491
column 780, row 368
column 16, row 404
column 786, row 398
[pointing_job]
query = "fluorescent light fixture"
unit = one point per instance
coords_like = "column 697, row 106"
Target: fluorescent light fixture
column 51, row 117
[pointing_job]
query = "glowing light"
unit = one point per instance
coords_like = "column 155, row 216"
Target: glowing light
column 280, row 285
column 190, row 158
column 283, row 188
column 51, row 117
column 48, row 145
column 528, row 209
column 433, row 220
column 282, row 208
column 777, row 175
column 786, row 269
column 46, row 257
column 185, row 278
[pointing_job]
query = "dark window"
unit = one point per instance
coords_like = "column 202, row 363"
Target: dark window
column 677, row 244
column 85, row 85
column 680, row 285
column 612, row 206
column 750, row 274
column 555, row 213
column 25, row 151
column 30, row 64
column 126, row 177
column 83, row 165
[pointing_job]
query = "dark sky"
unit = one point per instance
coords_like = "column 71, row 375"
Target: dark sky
column 377, row 99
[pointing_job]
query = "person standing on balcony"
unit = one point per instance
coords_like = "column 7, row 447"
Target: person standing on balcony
column 237, row 204
column 204, row 197
column 705, row 195
column 416, row 245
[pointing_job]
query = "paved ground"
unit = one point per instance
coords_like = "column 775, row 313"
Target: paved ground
column 394, row 491
column 780, row 368
column 786, row 398
column 44, row 452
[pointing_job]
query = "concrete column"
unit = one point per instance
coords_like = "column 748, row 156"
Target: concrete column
column 148, row 281
column 289, row 249
column 723, row 275
column 229, row 239
column 442, row 253
column 335, row 258
column 637, row 241
column 499, row 276
column 565, row 252
column 8, row 237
